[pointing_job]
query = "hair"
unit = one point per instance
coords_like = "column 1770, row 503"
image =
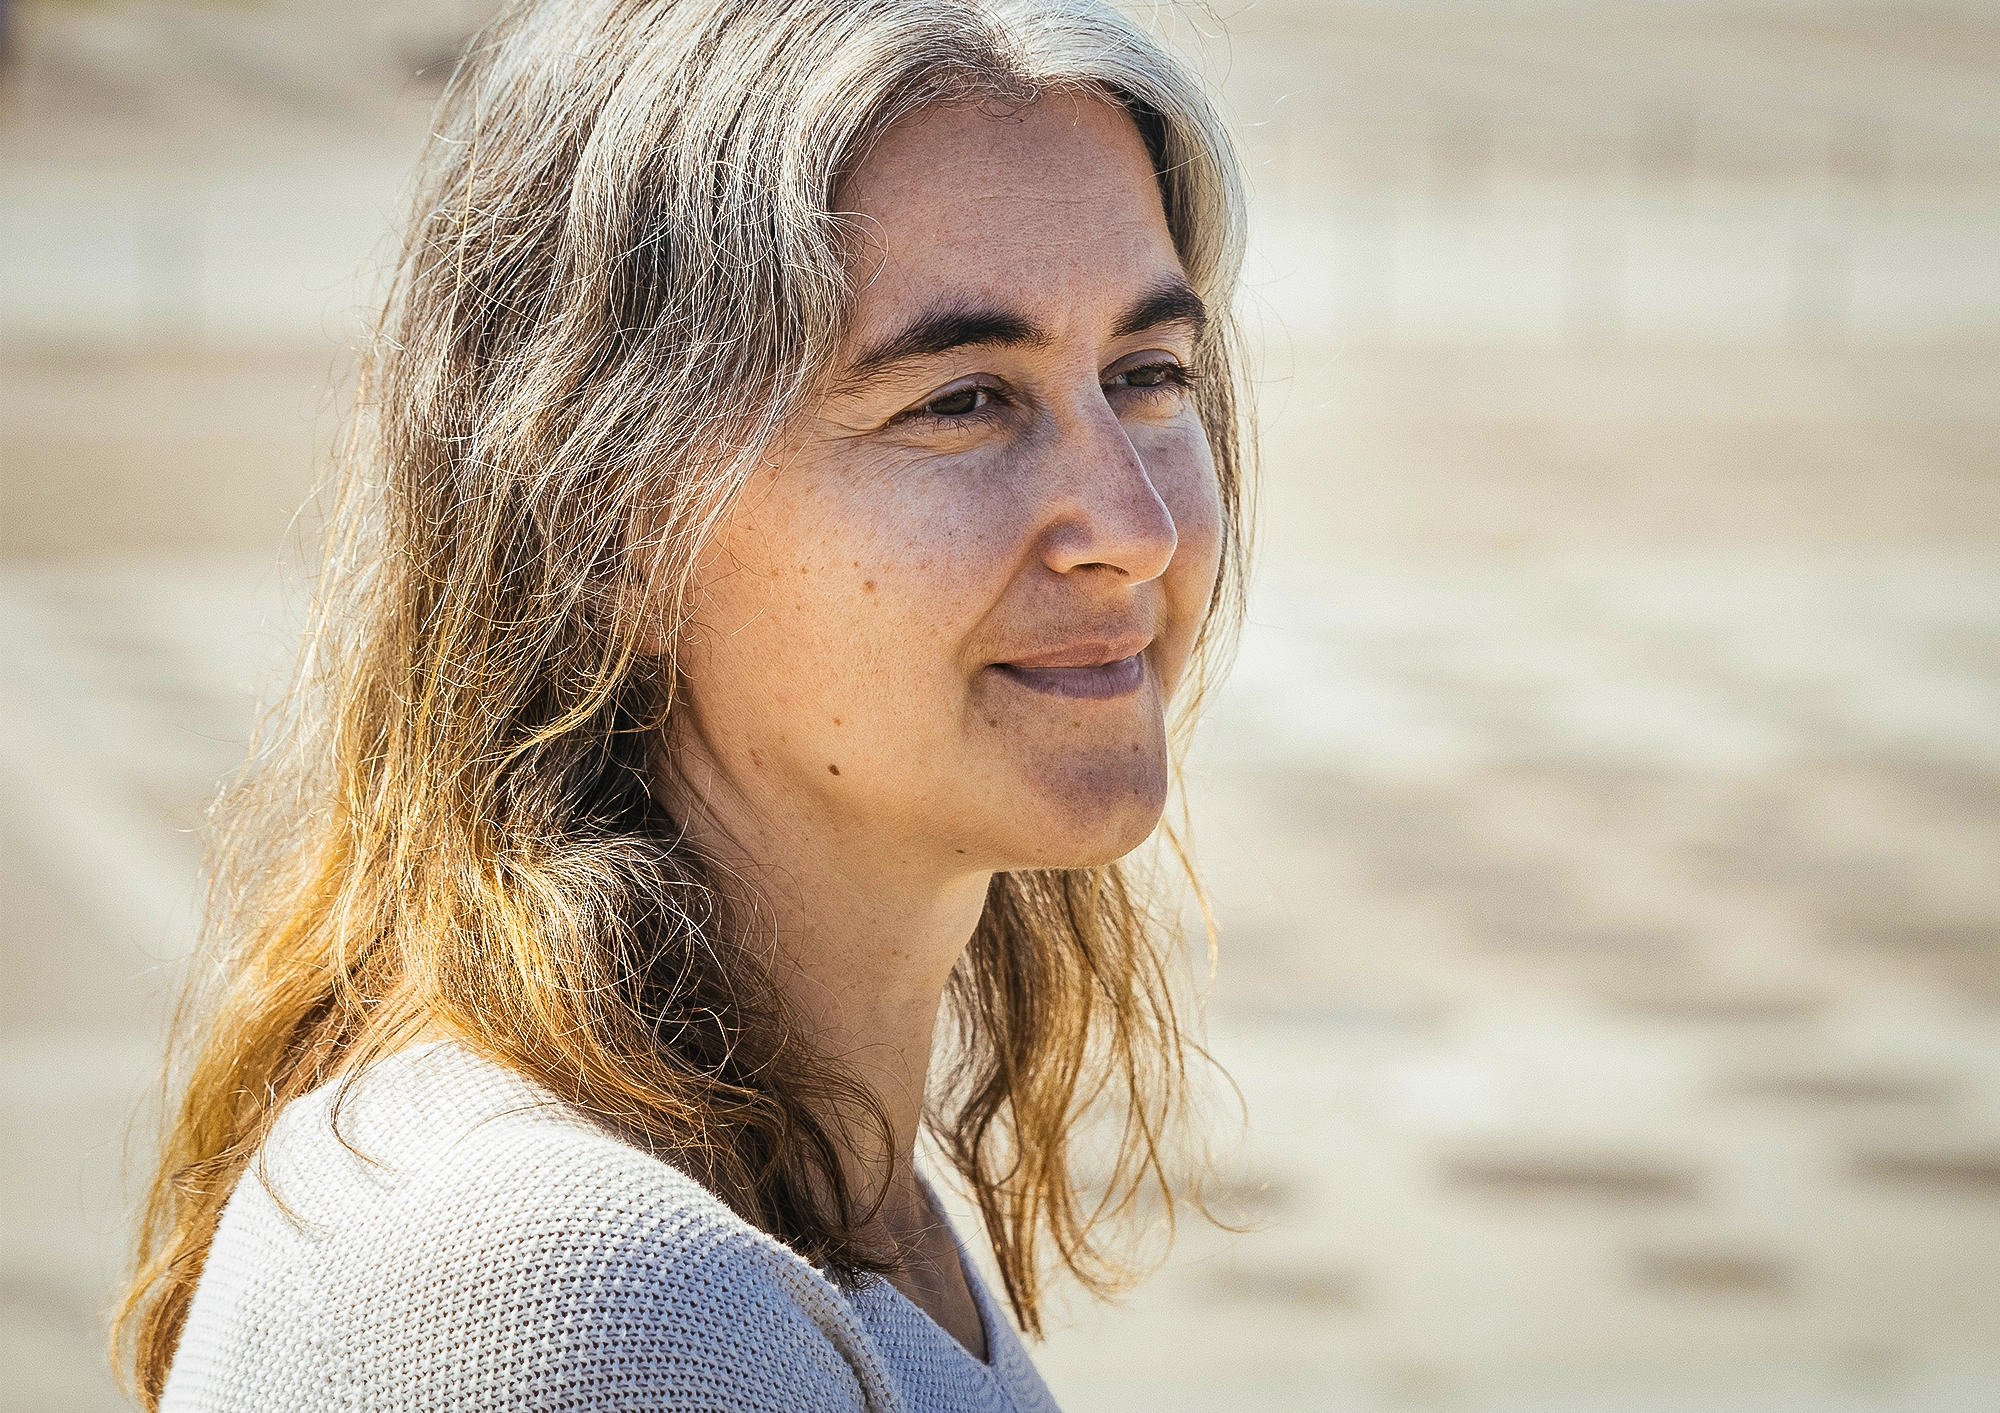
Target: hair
column 626, row 272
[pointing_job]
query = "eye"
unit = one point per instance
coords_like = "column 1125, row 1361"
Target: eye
column 960, row 402
column 1165, row 374
column 957, row 408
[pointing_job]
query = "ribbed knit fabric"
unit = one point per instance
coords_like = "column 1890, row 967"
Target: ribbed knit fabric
column 474, row 1243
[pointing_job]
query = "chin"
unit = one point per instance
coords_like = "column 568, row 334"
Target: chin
column 1092, row 815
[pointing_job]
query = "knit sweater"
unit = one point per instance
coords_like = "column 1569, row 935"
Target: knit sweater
column 466, row 1241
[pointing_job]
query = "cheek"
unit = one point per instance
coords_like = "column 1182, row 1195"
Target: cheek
column 768, row 610
column 1183, row 472
column 826, row 581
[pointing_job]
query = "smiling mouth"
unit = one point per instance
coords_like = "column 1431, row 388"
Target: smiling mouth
column 1101, row 680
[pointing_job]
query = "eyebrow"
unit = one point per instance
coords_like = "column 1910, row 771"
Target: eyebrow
column 968, row 326
column 941, row 331
column 1171, row 302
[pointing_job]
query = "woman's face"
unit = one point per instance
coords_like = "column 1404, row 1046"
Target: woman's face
column 946, row 620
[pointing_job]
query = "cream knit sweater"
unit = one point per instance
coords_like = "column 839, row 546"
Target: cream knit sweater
column 482, row 1246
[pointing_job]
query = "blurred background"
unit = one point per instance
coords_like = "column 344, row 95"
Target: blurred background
column 1603, row 820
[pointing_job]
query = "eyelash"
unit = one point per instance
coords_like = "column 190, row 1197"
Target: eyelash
column 1177, row 377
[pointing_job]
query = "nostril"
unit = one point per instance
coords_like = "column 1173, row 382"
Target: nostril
column 1129, row 532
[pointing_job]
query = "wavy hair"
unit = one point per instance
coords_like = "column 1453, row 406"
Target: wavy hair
column 626, row 272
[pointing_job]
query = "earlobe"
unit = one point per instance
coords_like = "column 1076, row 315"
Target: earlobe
column 631, row 601
column 635, row 609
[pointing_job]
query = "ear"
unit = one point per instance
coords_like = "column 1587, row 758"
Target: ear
column 638, row 601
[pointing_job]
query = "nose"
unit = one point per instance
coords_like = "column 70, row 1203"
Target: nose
column 1105, row 512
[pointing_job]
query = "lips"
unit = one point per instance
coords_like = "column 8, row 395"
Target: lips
column 1093, row 670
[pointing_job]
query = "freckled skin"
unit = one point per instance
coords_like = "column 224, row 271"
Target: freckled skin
column 927, row 552
column 850, row 742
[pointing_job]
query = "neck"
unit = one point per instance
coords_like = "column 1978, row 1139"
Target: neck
column 858, row 935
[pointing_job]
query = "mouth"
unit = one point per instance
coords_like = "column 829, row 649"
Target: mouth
column 1118, row 677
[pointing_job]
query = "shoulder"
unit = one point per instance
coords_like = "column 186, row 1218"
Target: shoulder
column 462, row 1237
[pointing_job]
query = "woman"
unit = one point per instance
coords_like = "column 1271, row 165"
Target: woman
column 796, row 474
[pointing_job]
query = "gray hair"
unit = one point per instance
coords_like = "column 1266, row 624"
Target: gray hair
column 644, row 199
column 627, row 273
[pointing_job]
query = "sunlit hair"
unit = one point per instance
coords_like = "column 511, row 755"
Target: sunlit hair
column 626, row 273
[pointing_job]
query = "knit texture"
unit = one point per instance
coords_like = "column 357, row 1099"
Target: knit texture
column 466, row 1241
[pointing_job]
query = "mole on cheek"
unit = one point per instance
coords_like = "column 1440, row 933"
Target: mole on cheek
column 833, row 770
column 869, row 585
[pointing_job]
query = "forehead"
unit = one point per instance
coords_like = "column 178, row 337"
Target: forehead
column 1046, row 204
